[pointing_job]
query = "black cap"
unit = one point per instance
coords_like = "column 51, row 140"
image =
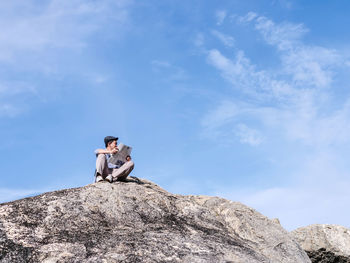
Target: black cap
column 109, row 138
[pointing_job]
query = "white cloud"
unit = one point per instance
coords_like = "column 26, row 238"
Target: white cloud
column 298, row 102
column 199, row 40
column 100, row 79
column 8, row 89
column 310, row 65
column 229, row 114
column 9, row 92
column 247, row 18
column 53, row 24
column 248, row 135
column 284, row 3
column 168, row 71
column 40, row 38
column 220, row 16
column 243, row 76
column 299, row 119
column 319, row 195
column 160, row 64
column 284, row 36
column 225, row 39
column 9, row 110
column 226, row 111
column 306, row 64
column 299, row 109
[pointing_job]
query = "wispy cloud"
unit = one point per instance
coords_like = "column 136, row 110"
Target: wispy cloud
column 318, row 196
column 225, row 39
column 10, row 91
column 53, row 24
column 9, row 110
column 248, row 135
column 297, row 106
column 243, row 76
column 41, row 39
column 306, row 64
column 224, row 113
column 247, row 18
column 160, row 64
column 284, row 3
column 199, row 40
column 310, row 65
column 296, row 92
column 220, row 16
column 284, row 36
column 169, row 71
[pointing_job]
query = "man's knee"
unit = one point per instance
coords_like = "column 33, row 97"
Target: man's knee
column 101, row 160
column 101, row 157
column 130, row 164
column 126, row 166
column 101, row 164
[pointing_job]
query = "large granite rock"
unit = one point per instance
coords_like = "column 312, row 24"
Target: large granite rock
column 138, row 221
column 325, row 243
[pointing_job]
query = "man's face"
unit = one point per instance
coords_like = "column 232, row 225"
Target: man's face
column 112, row 144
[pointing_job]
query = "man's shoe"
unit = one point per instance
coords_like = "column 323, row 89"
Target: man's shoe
column 109, row 178
column 121, row 179
column 98, row 179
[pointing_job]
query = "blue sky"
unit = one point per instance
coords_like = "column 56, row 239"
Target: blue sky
column 247, row 100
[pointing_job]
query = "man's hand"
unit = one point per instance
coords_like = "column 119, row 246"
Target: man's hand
column 115, row 150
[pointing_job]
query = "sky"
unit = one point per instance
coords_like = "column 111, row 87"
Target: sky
column 246, row 100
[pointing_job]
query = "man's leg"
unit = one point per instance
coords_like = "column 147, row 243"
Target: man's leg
column 101, row 166
column 123, row 172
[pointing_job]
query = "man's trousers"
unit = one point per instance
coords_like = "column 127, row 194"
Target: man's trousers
column 117, row 173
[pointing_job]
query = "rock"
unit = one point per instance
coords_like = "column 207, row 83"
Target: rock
column 276, row 220
column 325, row 243
column 137, row 221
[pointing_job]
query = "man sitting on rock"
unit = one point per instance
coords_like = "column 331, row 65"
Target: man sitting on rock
column 108, row 171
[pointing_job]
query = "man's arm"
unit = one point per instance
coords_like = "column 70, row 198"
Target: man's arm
column 104, row 151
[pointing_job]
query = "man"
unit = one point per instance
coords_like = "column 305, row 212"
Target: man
column 107, row 171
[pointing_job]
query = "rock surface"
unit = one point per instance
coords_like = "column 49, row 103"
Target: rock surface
column 137, row 221
column 325, row 243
